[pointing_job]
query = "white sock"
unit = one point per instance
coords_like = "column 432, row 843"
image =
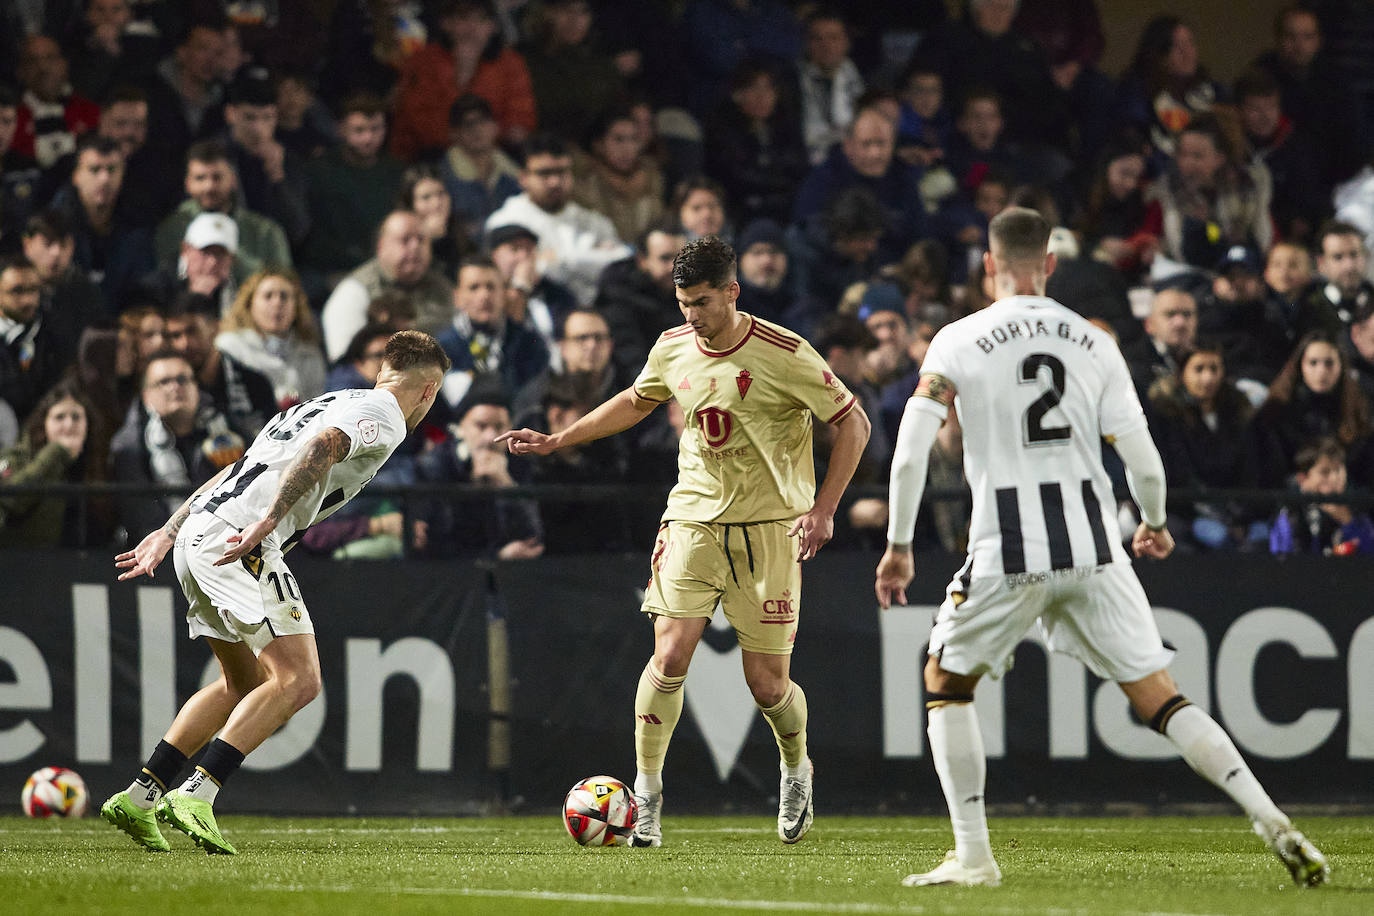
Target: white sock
column 648, row 783
column 145, row 794
column 1210, row 752
column 956, row 745
column 200, row 785
column 800, row 771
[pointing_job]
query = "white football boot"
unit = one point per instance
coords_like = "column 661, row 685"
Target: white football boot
column 795, row 808
column 1305, row 861
column 647, row 830
column 953, row 872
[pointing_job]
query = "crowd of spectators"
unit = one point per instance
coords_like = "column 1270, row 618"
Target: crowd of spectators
column 211, row 210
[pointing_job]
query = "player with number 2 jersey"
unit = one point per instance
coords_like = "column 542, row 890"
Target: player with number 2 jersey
column 1037, row 389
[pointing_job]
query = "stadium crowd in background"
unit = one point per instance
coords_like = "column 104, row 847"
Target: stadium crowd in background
column 281, row 183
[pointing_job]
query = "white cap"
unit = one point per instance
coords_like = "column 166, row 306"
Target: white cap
column 209, row 229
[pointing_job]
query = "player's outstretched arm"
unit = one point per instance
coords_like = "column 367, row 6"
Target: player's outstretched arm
column 617, row 413
column 150, row 551
column 817, row 526
column 311, row 465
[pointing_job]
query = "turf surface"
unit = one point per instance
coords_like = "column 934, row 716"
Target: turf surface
column 1176, row 865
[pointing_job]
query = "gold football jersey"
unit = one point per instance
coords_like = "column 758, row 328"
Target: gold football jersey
column 745, row 455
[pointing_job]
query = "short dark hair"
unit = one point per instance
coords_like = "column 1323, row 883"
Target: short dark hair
column 1325, row 447
column 667, row 226
column 561, row 331
column 15, row 260
column 363, row 103
column 208, row 151
column 1021, row 234
column 986, row 93
column 466, row 104
column 573, row 389
column 1336, row 227
column 414, row 350
column 685, row 188
column 357, row 346
column 96, row 142
column 124, row 92
column 545, row 143
column 395, row 304
column 51, row 224
column 855, row 211
column 160, row 354
column 1255, row 82
column 481, row 261
column 846, row 332
column 708, row 260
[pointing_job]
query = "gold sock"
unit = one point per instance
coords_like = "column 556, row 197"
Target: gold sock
column 658, row 705
column 788, row 721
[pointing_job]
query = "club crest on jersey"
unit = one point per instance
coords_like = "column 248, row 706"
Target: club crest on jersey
column 368, row 430
column 743, row 381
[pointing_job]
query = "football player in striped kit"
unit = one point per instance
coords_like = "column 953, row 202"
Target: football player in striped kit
column 1036, row 388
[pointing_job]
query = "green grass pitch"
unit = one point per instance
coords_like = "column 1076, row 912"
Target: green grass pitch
column 527, row 865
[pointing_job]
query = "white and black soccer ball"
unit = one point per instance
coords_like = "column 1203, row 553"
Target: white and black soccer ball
column 600, row 811
column 54, row 792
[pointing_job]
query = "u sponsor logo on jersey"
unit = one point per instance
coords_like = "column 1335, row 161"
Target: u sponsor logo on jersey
column 715, row 424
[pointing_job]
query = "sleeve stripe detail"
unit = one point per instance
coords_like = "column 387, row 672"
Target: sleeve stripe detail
column 769, row 336
column 679, row 331
column 844, row 411
column 643, row 397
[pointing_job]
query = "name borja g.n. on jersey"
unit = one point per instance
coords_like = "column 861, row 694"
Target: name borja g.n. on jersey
column 1023, row 329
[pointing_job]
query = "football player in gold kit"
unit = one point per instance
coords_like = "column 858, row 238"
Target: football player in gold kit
column 744, row 513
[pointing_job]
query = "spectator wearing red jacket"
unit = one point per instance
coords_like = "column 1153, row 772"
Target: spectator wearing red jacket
column 468, row 58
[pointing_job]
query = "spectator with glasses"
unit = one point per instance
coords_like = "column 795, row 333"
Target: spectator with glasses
column 172, row 436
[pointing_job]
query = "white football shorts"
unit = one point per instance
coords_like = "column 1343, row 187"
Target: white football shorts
column 252, row 601
column 1097, row 614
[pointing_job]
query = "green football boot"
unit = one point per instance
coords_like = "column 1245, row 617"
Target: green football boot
column 196, row 819
column 139, row 823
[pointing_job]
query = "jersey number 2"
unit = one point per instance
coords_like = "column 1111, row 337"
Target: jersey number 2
column 1033, row 428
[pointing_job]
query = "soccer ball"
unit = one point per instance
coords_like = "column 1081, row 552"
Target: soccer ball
column 54, row 791
column 600, row 811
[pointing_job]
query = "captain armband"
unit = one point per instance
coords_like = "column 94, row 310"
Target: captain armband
column 937, row 388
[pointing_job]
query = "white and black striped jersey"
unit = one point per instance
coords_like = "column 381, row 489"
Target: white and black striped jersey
column 375, row 426
column 1037, row 389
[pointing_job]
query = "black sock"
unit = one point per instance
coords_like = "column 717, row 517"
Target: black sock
column 221, row 761
column 163, row 767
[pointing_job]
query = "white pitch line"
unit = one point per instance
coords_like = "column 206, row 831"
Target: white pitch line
column 714, row 903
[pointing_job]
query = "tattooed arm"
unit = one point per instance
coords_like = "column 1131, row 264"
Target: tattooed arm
column 149, row 553
column 310, row 467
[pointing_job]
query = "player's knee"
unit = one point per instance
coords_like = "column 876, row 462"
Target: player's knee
column 300, row 687
column 938, row 681
column 672, row 659
column 768, row 688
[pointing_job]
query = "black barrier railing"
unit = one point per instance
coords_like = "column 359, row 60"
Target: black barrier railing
column 408, row 496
